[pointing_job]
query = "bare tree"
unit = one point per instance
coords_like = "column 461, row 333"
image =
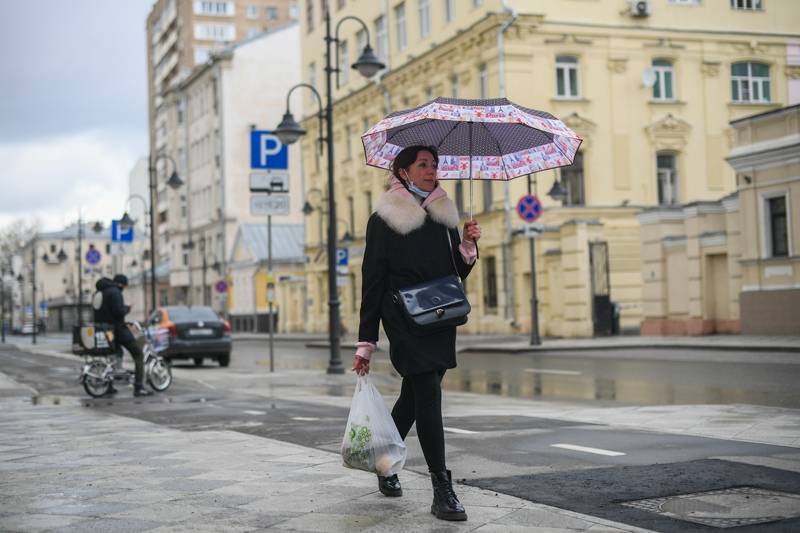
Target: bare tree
column 15, row 236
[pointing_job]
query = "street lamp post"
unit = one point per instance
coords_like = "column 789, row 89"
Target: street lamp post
column 289, row 131
column 3, row 303
column 175, row 183
column 127, row 222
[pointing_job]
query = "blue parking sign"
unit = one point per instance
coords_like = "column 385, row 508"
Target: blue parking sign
column 267, row 151
column 120, row 235
column 342, row 256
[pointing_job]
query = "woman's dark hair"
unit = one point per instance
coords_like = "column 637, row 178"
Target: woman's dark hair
column 408, row 155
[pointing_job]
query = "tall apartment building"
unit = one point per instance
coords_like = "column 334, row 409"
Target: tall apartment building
column 182, row 34
column 651, row 91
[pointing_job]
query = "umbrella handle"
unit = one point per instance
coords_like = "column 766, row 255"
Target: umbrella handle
column 471, row 217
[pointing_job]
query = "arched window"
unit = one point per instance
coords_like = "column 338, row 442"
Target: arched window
column 750, row 82
column 567, row 81
column 663, row 88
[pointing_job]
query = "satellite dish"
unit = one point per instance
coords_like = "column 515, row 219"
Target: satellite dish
column 648, row 77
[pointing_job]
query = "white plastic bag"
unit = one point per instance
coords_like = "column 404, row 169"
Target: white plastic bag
column 371, row 440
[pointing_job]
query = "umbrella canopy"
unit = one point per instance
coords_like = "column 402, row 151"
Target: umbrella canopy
column 476, row 139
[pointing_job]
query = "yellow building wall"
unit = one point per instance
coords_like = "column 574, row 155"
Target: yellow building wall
column 622, row 125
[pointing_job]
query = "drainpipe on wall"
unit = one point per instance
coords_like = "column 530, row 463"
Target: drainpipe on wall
column 508, row 273
column 221, row 213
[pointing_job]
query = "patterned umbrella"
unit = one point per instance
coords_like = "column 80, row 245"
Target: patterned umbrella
column 476, row 139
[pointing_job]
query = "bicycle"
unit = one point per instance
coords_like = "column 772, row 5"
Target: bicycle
column 96, row 344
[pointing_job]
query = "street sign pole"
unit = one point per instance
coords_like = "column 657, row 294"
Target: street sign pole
column 535, row 339
column 270, row 294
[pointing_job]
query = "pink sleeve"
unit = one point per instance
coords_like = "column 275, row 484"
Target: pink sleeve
column 469, row 251
column 364, row 349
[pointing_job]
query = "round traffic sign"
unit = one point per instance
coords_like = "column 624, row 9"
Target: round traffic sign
column 93, row 256
column 529, row 208
column 221, row 286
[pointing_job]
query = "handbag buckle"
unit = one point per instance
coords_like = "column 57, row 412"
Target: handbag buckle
column 439, row 313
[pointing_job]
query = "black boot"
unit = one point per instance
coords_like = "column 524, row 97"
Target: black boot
column 445, row 502
column 390, row 486
column 139, row 390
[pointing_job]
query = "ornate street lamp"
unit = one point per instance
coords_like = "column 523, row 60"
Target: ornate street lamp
column 289, row 131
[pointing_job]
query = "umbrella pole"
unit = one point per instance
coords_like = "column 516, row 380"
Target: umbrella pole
column 471, row 217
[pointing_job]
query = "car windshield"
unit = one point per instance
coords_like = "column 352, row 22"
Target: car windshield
column 185, row 314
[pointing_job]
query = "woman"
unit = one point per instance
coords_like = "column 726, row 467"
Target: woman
column 406, row 244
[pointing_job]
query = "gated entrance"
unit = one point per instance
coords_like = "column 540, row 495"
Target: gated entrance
column 602, row 308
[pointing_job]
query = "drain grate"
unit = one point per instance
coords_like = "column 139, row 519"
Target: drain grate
column 741, row 506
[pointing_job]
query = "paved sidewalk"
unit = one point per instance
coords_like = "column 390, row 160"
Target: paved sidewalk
column 67, row 468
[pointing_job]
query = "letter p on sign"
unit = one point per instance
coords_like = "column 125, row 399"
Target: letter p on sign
column 267, row 151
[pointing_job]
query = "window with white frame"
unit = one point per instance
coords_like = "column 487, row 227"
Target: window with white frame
column 215, row 32
column 750, row 82
column 776, row 225
column 344, row 63
column 381, row 38
column 751, row 5
column 454, row 86
column 272, row 12
column 667, row 176
column 400, row 25
column 251, row 12
column 483, row 81
column 424, row 8
column 213, row 8
column 449, row 10
column 567, row 83
column 662, row 89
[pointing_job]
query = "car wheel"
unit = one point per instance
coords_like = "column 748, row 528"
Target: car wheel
column 198, row 361
column 224, row 360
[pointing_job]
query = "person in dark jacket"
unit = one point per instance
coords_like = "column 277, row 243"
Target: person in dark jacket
column 109, row 308
column 406, row 244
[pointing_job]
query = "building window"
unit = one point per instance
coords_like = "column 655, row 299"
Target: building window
column 294, row 12
column 751, row 5
column 477, row 3
column 251, row 12
column 454, row 86
column 572, row 180
column 252, row 32
column 424, row 18
column 490, row 283
column 312, row 74
column 310, row 15
column 777, row 227
column 567, row 85
column 215, row 32
column 368, row 199
column 449, row 10
column 667, row 179
column 750, row 82
column 272, row 12
column 400, row 25
column 381, row 38
column 487, row 195
column 213, row 8
column 662, row 90
column 483, row 81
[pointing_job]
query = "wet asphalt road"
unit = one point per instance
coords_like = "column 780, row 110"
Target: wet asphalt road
column 511, row 454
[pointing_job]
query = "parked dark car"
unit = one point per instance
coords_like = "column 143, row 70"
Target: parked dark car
column 195, row 332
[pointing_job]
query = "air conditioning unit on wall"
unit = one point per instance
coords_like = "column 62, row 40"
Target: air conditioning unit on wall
column 640, row 8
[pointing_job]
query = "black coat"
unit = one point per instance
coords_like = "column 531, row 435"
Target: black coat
column 109, row 308
column 406, row 245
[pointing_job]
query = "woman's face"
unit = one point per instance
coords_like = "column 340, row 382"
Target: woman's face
column 422, row 172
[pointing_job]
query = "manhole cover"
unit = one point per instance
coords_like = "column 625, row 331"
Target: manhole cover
column 742, row 506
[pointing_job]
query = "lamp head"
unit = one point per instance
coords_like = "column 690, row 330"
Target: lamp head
column 368, row 63
column 174, row 181
column 557, row 192
column 289, row 131
column 126, row 222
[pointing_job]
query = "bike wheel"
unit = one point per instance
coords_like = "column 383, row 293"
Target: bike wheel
column 159, row 375
column 95, row 382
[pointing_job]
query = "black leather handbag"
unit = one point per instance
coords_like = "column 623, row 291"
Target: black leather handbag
column 432, row 306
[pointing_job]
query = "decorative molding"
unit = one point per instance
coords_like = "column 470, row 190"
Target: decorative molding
column 569, row 38
column 710, row 68
column 792, row 72
column 665, row 43
column 618, row 65
column 753, row 47
column 717, row 238
column 582, row 126
column 657, row 216
column 669, row 133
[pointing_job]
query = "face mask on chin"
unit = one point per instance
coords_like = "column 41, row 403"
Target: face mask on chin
column 416, row 190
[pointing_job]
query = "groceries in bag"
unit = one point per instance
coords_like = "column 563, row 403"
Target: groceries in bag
column 371, row 440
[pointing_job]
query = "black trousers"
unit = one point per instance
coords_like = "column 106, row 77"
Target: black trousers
column 420, row 401
column 138, row 361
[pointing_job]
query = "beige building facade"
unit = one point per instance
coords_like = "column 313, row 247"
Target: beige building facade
column 652, row 94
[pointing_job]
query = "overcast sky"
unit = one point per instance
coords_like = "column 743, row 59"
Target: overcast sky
column 73, row 107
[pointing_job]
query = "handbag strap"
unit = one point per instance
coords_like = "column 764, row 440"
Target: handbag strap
column 452, row 257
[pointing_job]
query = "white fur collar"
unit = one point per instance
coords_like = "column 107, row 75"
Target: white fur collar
column 403, row 213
